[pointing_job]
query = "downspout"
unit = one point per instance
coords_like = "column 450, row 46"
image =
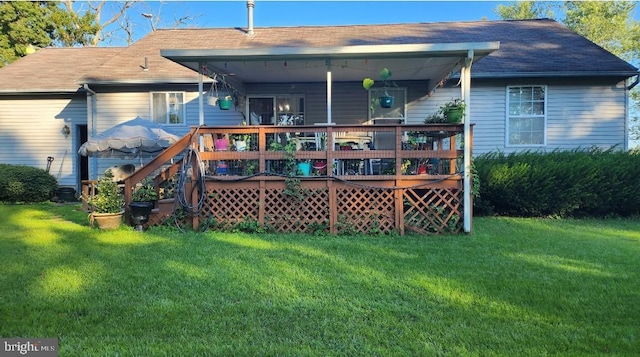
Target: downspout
column 91, row 115
column 627, row 128
column 465, row 76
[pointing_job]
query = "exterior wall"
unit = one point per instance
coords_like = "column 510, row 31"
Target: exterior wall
column 115, row 107
column 349, row 100
column 31, row 130
column 579, row 115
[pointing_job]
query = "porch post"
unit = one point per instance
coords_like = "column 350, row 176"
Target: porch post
column 465, row 75
column 200, row 96
column 329, row 119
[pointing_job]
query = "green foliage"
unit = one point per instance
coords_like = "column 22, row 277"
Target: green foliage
column 108, row 199
column 145, row 192
column 596, row 183
column 72, row 28
column 526, row 10
column 26, row 184
column 249, row 226
column 24, row 24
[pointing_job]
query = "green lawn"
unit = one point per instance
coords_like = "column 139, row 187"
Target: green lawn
column 515, row 287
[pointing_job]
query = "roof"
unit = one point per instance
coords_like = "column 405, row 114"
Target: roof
column 57, row 70
column 527, row 48
column 530, row 47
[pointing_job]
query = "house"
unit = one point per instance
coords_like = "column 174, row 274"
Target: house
column 534, row 85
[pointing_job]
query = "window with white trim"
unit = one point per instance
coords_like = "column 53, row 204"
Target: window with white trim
column 168, row 107
column 527, row 115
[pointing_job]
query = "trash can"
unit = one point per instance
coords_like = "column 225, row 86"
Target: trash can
column 67, row 194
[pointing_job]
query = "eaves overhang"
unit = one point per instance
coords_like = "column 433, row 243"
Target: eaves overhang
column 337, row 52
column 420, row 61
column 562, row 74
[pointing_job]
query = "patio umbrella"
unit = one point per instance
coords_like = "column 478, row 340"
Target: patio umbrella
column 135, row 138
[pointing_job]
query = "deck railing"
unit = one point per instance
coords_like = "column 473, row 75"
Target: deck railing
column 362, row 178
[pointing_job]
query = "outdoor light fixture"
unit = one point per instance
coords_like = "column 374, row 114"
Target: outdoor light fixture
column 66, row 130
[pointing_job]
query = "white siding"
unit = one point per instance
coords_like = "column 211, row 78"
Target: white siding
column 31, row 130
column 117, row 107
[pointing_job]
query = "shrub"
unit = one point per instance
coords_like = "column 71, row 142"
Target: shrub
column 595, row 183
column 26, row 184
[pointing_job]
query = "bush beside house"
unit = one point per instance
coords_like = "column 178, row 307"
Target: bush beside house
column 578, row 183
column 26, row 184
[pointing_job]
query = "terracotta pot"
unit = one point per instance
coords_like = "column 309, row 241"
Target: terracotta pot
column 106, row 220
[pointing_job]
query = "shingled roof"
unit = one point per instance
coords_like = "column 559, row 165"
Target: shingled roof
column 56, row 70
column 527, row 48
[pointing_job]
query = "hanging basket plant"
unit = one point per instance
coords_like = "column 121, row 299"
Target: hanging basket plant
column 226, row 102
column 381, row 96
column 212, row 94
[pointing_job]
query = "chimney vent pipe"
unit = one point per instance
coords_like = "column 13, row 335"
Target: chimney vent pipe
column 250, row 5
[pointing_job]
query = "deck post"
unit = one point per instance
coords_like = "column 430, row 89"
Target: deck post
column 465, row 76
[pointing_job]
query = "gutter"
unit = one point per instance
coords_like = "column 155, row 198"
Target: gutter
column 635, row 83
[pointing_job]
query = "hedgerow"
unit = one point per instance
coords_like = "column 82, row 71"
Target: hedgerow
column 578, row 183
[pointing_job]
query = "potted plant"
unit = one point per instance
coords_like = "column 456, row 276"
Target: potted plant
column 226, row 102
column 381, row 96
column 453, row 111
column 107, row 204
column 142, row 202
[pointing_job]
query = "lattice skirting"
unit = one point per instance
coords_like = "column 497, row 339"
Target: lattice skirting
column 331, row 207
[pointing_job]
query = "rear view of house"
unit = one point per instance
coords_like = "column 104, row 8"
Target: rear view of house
column 534, row 85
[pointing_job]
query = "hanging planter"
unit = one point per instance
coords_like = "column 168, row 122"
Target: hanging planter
column 225, row 103
column 212, row 94
column 386, row 101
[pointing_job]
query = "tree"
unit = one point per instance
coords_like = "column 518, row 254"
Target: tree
column 526, row 10
column 23, row 25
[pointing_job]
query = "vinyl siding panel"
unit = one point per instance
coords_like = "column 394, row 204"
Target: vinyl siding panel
column 578, row 115
column 349, row 100
column 113, row 108
column 31, row 130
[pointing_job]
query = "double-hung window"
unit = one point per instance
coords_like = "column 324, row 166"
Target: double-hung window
column 168, row 107
column 526, row 116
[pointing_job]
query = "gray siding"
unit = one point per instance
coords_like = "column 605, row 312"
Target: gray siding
column 113, row 108
column 578, row 115
column 31, row 130
column 349, row 99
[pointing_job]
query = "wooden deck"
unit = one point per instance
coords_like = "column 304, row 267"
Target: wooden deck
column 364, row 179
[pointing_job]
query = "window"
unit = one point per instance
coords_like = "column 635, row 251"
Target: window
column 397, row 110
column 277, row 110
column 167, row 107
column 526, row 117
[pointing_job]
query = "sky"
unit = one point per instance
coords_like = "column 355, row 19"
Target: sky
column 296, row 13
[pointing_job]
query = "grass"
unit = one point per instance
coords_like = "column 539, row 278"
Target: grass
column 515, row 287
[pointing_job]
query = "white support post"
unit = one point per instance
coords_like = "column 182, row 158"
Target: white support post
column 200, row 104
column 200, row 95
column 329, row 119
column 465, row 75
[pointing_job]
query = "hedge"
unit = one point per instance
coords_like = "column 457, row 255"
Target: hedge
column 26, row 184
column 578, row 183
